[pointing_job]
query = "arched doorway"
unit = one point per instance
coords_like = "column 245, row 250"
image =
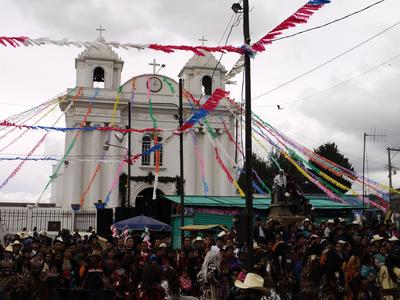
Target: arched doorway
column 159, row 209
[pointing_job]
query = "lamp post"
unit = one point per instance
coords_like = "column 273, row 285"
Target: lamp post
column 128, row 151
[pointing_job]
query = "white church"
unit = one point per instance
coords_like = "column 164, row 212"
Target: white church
column 101, row 66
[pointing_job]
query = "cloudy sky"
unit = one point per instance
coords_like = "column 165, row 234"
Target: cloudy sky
column 30, row 76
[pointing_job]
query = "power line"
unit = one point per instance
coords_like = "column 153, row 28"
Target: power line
column 327, row 62
column 329, row 23
column 336, row 85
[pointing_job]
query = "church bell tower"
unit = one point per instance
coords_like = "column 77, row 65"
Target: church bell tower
column 203, row 74
column 98, row 66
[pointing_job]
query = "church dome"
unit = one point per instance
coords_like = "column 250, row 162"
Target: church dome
column 208, row 61
column 100, row 50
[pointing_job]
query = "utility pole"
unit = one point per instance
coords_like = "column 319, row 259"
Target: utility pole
column 375, row 135
column 390, row 170
column 181, row 187
column 363, row 171
column 129, row 151
column 248, row 153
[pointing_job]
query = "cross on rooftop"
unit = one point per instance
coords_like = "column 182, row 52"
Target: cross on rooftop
column 155, row 65
column 202, row 40
column 100, row 29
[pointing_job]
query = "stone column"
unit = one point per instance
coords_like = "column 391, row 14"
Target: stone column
column 108, row 170
column 73, row 171
column 93, row 149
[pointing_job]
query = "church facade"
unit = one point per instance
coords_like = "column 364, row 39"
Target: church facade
column 100, row 152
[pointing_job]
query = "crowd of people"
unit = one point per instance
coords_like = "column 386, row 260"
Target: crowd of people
column 330, row 260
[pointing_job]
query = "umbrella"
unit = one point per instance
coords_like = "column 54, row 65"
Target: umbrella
column 141, row 222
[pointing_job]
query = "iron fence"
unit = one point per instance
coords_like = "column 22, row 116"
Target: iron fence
column 46, row 219
column 84, row 220
column 13, row 219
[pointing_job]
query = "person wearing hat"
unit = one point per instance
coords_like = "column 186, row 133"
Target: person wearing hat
column 198, row 242
column 251, row 288
column 328, row 228
column 258, row 233
column 209, row 277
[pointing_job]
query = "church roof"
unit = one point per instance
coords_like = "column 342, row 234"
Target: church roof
column 208, row 61
column 100, row 51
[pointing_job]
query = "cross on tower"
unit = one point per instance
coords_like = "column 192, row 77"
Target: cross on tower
column 202, row 40
column 100, row 29
column 155, row 65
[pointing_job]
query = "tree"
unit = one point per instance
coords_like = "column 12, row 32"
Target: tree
column 268, row 168
column 331, row 152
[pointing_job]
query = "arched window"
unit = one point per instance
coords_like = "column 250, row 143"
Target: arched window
column 98, row 77
column 159, row 152
column 206, row 82
column 150, row 159
column 146, row 145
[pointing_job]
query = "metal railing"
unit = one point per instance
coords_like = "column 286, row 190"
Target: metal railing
column 45, row 219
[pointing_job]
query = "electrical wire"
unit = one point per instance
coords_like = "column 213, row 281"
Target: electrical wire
column 329, row 23
column 327, row 62
column 335, row 85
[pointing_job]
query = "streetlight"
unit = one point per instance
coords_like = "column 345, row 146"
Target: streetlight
column 106, row 146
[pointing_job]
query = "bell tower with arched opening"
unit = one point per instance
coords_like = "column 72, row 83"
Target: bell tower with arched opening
column 202, row 75
column 98, row 66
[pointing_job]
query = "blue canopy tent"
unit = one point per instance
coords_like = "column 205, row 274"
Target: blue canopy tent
column 141, row 222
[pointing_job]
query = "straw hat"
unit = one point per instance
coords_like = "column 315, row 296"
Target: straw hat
column 253, row 282
column 9, row 248
column 221, row 234
column 43, row 233
column 256, row 245
column 376, row 238
column 16, row 242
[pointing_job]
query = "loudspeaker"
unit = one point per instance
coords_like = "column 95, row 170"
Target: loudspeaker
column 241, row 228
column 104, row 221
column 122, row 213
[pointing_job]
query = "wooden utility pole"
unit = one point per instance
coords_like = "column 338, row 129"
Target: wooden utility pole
column 248, row 152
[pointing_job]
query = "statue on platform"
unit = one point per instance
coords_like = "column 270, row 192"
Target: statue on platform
column 298, row 203
column 286, row 192
column 279, row 188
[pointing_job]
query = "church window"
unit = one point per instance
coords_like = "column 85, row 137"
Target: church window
column 98, row 77
column 148, row 159
column 160, row 152
column 146, row 144
column 206, row 82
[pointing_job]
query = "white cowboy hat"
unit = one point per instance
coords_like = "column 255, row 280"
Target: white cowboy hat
column 355, row 223
column 198, row 239
column 256, row 245
column 306, row 220
column 16, row 242
column 393, row 239
column 330, row 221
column 221, row 234
column 163, row 245
column 376, row 237
column 9, row 248
column 252, row 281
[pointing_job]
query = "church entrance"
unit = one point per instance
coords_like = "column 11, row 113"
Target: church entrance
column 159, row 209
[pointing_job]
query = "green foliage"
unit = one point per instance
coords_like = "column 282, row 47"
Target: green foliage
column 268, row 169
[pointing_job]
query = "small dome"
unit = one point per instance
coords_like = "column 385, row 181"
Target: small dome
column 100, row 39
column 208, row 61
